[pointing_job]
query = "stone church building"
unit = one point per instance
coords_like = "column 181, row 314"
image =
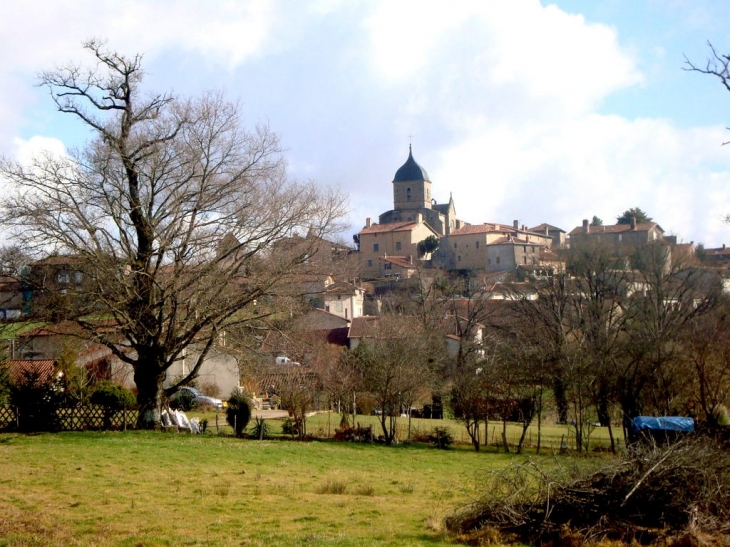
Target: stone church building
column 416, row 216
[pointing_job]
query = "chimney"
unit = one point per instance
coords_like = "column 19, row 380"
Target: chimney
column 547, row 231
column 516, row 224
column 368, row 222
column 723, row 246
column 586, row 227
column 410, row 259
column 633, row 223
column 496, row 227
column 419, row 217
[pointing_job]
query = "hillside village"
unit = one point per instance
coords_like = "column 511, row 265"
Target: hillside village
column 181, row 255
column 344, row 293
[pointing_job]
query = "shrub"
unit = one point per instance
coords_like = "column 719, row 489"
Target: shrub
column 183, row 400
column 260, row 429
column 238, row 412
column 38, row 401
column 112, row 396
column 289, row 427
column 441, row 437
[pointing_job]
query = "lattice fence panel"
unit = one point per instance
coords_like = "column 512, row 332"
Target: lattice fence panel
column 79, row 418
column 7, row 417
column 96, row 417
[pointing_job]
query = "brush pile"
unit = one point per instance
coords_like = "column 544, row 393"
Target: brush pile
column 650, row 495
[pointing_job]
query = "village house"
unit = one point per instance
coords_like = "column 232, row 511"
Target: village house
column 394, row 239
column 632, row 234
column 491, row 248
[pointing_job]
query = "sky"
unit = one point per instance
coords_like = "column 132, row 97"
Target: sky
column 522, row 110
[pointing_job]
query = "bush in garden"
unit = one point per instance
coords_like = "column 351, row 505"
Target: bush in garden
column 113, row 398
column 37, row 401
column 238, row 412
column 288, row 427
column 441, row 437
column 183, row 400
column 260, row 429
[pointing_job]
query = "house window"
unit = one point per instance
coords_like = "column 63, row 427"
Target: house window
column 376, row 247
column 489, row 261
column 62, row 277
column 397, row 245
column 387, row 266
column 524, row 248
column 78, row 277
column 455, row 245
column 477, row 244
column 524, row 260
column 497, row 260
column 370, row 263
column 458, row 258
column 620, row 237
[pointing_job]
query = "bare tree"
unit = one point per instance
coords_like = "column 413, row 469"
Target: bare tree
column 395, row 366
column 706, row 345
column 173, row 211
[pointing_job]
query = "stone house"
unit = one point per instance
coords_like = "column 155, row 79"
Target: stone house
column 393, row 239
column 630, row 234
column 400, row 267
column 491, row 248
column 344, row 299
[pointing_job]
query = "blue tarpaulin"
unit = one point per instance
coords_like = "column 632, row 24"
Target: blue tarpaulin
column 662, row 423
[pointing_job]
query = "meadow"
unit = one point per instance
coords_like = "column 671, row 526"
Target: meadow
column 149, row 489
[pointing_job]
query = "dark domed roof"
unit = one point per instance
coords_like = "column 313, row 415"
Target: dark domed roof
column 410, row 170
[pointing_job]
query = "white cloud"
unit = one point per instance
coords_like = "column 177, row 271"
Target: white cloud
column 39, row 34
column 506, row 100
column 36, row 148
column 531, row 52
column 598, row 165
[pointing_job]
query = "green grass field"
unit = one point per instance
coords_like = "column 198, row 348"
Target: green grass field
column 157, row 489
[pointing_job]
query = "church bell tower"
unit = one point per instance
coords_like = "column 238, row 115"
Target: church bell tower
column 411, row 187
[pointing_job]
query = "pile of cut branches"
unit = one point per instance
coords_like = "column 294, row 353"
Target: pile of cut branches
column 651, row 493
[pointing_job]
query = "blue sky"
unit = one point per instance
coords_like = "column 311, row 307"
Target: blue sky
column 522, row 110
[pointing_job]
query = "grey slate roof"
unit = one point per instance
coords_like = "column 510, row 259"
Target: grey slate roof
column 410, row 170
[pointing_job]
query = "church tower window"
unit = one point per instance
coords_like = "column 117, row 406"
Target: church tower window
column 408, row 194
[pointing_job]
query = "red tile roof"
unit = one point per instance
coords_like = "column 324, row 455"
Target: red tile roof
column 364, row 326
column 19, row 369
column 401, row 261
column 482, row 229
column 541, row 228
column 341, row 287
column 615, row 228
column 390, row 227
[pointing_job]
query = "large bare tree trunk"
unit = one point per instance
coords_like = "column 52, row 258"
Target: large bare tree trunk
column 149, row 378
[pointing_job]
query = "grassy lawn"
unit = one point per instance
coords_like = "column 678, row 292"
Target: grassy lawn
column 156, row 489
column 149, row 489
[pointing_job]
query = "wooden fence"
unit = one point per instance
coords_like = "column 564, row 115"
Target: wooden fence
column 77, row 418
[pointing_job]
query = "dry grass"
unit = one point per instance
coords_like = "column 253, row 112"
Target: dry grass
column 653, row 495
column 332, row 487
